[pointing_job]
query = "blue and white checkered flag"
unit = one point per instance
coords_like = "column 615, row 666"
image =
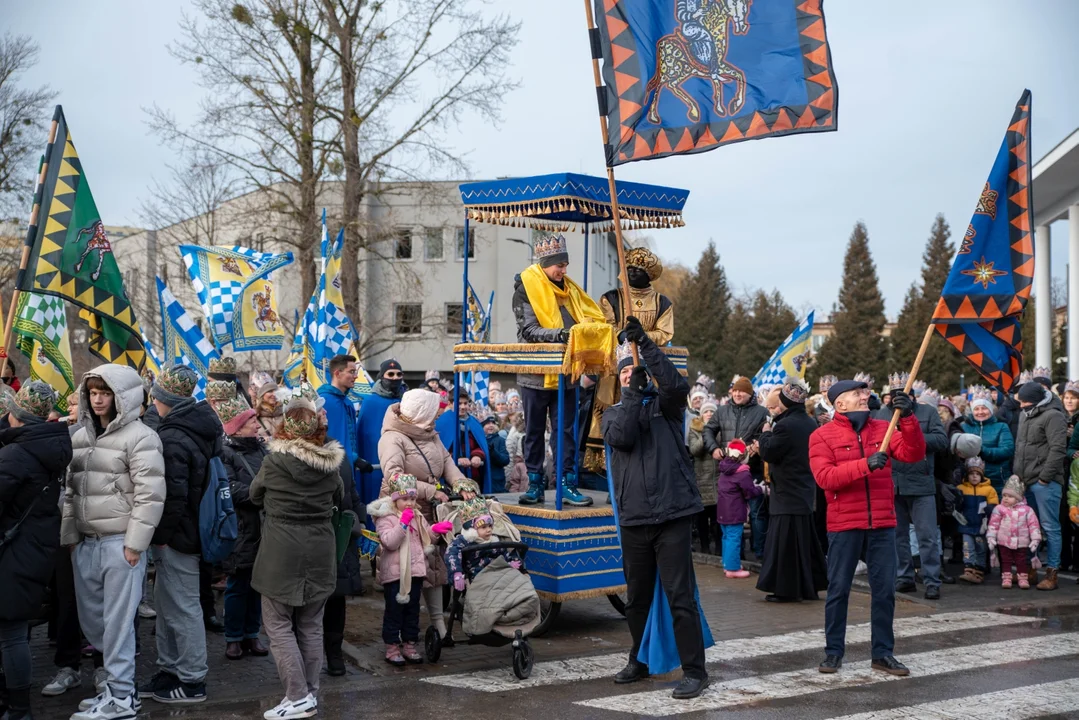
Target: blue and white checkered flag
column 790, row 359
column 184, row 342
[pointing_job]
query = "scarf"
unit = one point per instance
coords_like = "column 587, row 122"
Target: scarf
column 404, row 556
column 546, row 299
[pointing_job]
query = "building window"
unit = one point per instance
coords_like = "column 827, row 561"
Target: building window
column 461, row 243
column 432, row 244
column 408, row 318
column 455, row 315
column 402, row 245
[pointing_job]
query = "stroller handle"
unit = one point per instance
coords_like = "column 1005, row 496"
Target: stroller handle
column 476, row 548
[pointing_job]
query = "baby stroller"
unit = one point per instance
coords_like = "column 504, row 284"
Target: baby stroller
column 500, row 634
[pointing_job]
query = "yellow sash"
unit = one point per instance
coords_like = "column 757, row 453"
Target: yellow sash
column 547, row 299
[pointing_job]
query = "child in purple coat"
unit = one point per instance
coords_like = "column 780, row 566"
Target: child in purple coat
column 735, row 488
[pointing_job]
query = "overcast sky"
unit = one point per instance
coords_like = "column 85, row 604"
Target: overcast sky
column 926, row 92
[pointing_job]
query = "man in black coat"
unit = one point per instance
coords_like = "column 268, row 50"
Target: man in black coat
column 794, row 567
column 657, row 499
column 33, row 459
column 190, row 435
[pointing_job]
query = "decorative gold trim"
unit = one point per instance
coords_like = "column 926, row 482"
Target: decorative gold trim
column 564, row 514
column 574, row 575
column 581, row 594
column 558, row 553
column 535, row 532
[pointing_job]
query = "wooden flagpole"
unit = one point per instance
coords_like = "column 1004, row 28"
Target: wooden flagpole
column 910, row 383
column 31, row 232
column 623, row 277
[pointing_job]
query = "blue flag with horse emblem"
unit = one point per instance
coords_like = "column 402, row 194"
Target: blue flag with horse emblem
column 686, row 76
column 790, row 358
column 236, row 294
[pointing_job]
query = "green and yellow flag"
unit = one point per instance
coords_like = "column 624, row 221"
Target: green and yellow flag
column 71, row 256
column 41, row 326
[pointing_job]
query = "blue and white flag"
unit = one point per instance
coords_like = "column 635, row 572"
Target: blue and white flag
column 790, row 360
column 479, row 331
column 236, row 294
column 184, row 342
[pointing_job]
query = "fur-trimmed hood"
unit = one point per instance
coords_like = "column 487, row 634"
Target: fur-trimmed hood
column 325, row 459
column 381, row 507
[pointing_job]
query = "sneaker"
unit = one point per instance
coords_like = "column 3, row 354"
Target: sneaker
column 161, row 681
column 182, row 694
column 146, row 612
column 736, row 573
column 64, row 681
column 88, row 703
column 101, row 679
column 109, row 708
column 287, row 709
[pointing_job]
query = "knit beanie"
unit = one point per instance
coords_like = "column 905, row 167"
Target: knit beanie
column 1014, row 487
column 983, row 402
column 743, row 384
column 32, row 404
column 390, row 364
column 966, row 445
column 174, row 385
column 419, row 407
column 709, row 404
column 1032, row 392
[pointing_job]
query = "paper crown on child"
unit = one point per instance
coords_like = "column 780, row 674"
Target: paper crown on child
column 474, row 514
column 402, row 485
column 466, row 485
column 864, row 377
column 431, row 375
column 736, row 448
column 1014, row 487
column 976, row 463
column 826, row 382
column 929, row 397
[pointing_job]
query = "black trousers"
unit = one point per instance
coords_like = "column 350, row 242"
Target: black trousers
column 401, row 623
column 539, row 407
column 333, row 618
column 667, row 547
column 206, row 591
column 708, row 529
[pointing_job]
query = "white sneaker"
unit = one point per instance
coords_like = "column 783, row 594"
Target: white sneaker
column 146, row 612
column 64, row 681
column 109, row 708
column 90, row 702
column 287, row 709
column 101, row 679
column 862, row 568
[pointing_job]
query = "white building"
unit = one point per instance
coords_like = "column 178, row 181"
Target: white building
column 411, row 278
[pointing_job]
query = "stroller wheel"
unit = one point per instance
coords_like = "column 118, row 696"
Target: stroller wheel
column 522, row 660
column 432, row 644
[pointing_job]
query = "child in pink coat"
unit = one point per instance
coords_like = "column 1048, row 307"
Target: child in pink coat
column 1014, row 529
column 406, row 541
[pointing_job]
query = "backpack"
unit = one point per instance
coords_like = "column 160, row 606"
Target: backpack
column 218, row 525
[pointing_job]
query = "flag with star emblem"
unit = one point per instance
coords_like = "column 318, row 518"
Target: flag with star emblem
column 990, row 282
column 41, row 326
column 71, row 256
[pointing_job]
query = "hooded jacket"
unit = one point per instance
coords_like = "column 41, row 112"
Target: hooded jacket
column 32, row 464
column 190, row 435
column 1014, row 527
column 341, row 423
column 859, row 498
column 116, row 482
column 1041, row 445
column 242, row 457
column 736, row 486
column 416, row 450
column 998, row 448
column 298, row 487
column 392, row 537
column 918, row 477
column 652, row 472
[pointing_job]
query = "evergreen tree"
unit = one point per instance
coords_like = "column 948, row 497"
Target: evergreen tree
column 942, row 363
column 702, row 309
column 857, row 345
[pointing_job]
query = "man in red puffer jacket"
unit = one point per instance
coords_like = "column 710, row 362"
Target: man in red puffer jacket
column 857, row 482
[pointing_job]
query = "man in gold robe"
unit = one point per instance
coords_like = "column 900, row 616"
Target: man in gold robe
column 656, row 313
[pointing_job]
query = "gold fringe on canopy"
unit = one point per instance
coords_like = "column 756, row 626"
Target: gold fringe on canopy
column 511, row 214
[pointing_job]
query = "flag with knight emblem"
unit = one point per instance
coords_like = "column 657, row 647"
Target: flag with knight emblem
column 71, row 256
column 41, row 326
column 990, row 281
column 236, row 292
column 790, row 359
column 687, row 76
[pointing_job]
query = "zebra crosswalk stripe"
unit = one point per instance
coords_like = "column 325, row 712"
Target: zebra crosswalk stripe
column 604, row 666
column 1021, row 703
column 796, row 683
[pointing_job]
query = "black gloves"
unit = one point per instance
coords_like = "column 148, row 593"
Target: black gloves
column 877, row 460
column 563, row 336
column 903, row 403
column 638, row 380
column 363, row 466
column 633, row 333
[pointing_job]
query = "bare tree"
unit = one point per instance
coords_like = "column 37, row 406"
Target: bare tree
column 265, row 75
column 407, row 71
column 23, row 116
